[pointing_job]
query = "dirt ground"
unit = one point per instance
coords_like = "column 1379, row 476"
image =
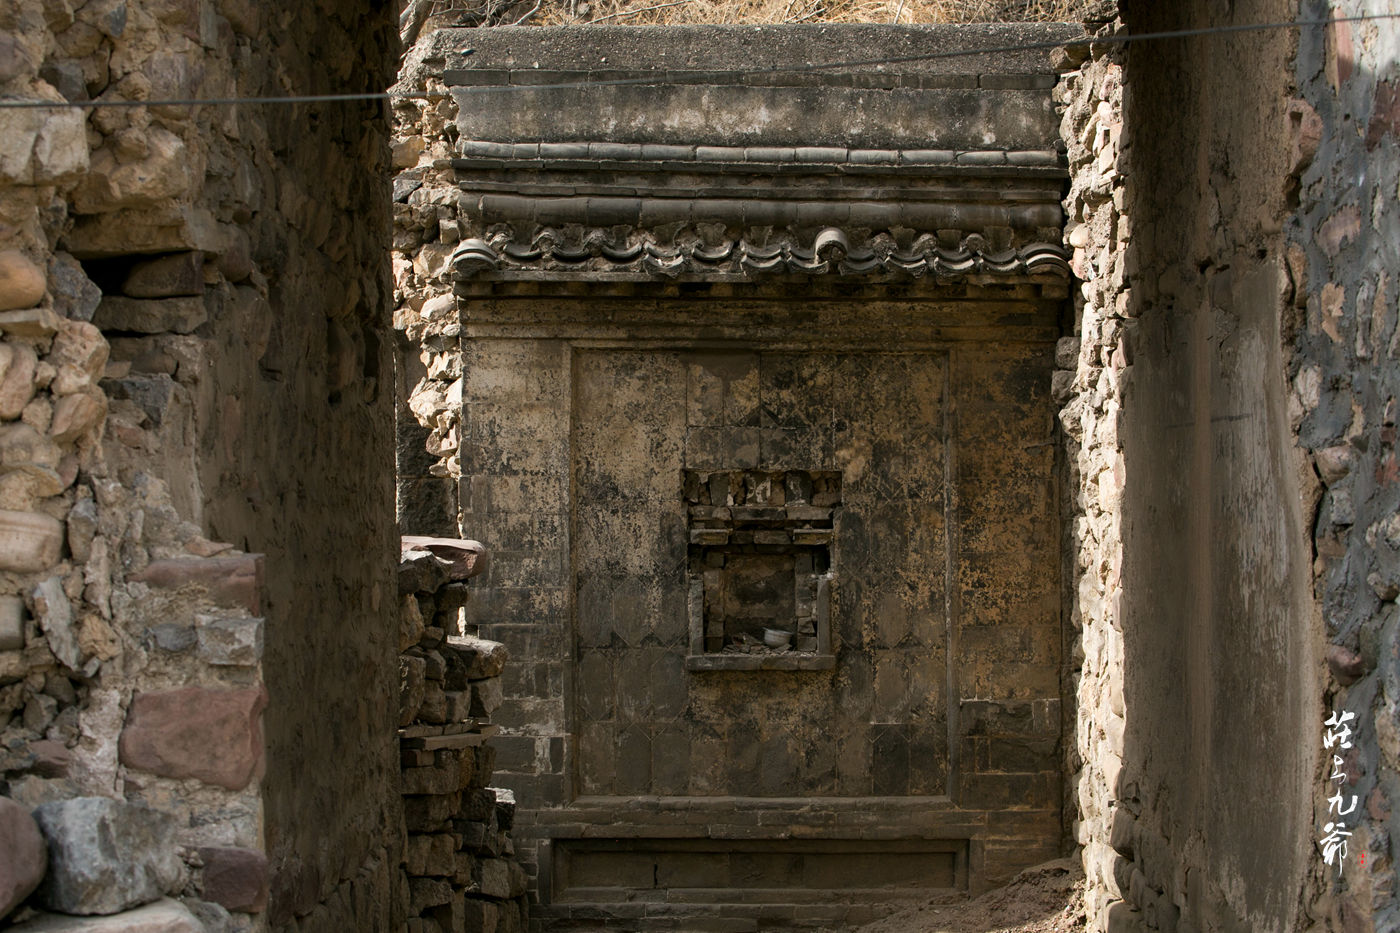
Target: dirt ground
column 1048, row 898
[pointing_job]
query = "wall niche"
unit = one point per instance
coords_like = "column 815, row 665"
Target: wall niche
column 760, row 568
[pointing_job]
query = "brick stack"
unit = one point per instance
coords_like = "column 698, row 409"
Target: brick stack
column 461, row 874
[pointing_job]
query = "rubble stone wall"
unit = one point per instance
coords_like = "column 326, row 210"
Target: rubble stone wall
column 194, row 334
column 1343, row 255
column 427, row 352
column 1229, row 424
column 1091, row 381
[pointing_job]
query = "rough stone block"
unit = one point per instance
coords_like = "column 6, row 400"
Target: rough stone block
column 462, row 558
column 487, row 696
column 235, row 878
column 75, row 296
column 233, row 581
column 505, row 807
column 428, row 892
column 81, row 346
column 421, row 572
column 25, row 855
column 410, row 622
column 482, row 915
column 411, row 687
column 150, row 316
column 18, row 365
column 21, row 281
column 212, row 735
column 51, row 758
column 452, row 597
column 459, row 705
column 428, row 814
column 153, row 393
column 11, row 623
column 31, row 322
column 172, row 637
column 431, row 855
column 501, row 878
column 175, row 275
column 444, row 778
column 107, row 855
column 230, row 642
column 74, row 415
column 478, row 658
column 480, row 838
column 29, row 542
column 164, row 916
column 451, row 917
column 55, row 615
column 434, row 705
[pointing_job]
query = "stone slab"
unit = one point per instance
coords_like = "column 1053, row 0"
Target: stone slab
column 235, row 878
column 150, row 315
column 106, row 855
column 212, row 735
column 164, row 916
column 234, row 581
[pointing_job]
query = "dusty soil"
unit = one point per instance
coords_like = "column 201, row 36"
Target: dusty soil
column 1048, row 898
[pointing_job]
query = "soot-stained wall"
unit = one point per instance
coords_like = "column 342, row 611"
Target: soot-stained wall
column 299, row 464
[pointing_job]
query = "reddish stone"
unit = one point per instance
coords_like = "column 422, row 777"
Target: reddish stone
column 212, row 735
column 1385, row 115
column 464, row 558
column 1341, row 53
column 51, row 758
column 231, row 581
column 1341, row 228
column 25, row 856
column 1346, row 665
column 235, row 878
column 1305, row 135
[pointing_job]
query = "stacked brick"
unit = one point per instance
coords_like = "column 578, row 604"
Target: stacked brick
column 459, row 870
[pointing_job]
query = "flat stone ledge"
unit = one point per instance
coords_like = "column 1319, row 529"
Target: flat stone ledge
column 479, row 153
column 163, row 916
column 842, row 53
column 760, row 662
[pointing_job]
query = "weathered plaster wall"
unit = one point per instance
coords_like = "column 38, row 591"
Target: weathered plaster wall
column 230, row 261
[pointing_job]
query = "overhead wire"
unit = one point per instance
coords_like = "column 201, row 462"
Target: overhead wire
column 808, row 68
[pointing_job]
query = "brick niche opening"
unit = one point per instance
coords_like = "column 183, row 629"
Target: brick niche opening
column 759, row 562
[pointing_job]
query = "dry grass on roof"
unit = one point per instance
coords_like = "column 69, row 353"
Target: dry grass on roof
column 676, row 12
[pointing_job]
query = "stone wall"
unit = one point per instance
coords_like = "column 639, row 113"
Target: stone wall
column 1092, row 378
column 1231, row 400
column 186, row 361
column 459, row 871
column 1343, row 254
column 427, row 353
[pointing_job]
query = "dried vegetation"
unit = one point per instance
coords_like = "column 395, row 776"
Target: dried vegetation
column 674, row 12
